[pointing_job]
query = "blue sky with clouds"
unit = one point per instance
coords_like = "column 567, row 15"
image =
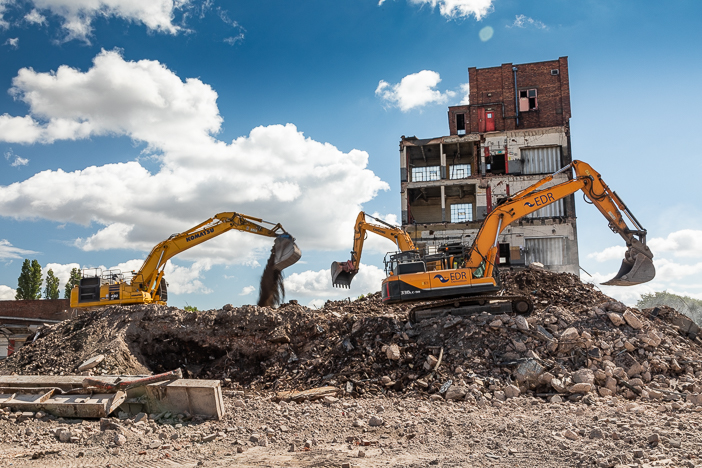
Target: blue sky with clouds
column 122, row 123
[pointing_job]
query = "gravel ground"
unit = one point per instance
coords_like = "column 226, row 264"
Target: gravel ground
column 373, row 432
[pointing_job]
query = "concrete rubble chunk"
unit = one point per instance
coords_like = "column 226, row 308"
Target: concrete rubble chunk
column 633, row 321
column 511, row 391
column 393, row 352
column 616, row 319
column 580, row 388
column 375, row 421
column 91, row 363
column 456, row 392
column 528, row 371
column 521, row 322
column 584, row 376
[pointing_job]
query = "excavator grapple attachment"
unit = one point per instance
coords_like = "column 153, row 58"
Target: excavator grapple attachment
column 637, row 267
column 286, row 251
column 342, row 274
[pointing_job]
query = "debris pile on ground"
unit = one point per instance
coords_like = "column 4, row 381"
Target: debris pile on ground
column 578, row 345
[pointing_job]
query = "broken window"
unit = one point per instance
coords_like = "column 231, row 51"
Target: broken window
column 459, row 171
column 461, row 124
column 527, row 100
column 425, row 174
column 461, row 212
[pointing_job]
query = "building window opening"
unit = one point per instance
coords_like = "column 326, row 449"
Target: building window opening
column 459, row 171
column 425, row 174
column 461, row 124
column 496, row 164
column 527, row 100
column 462, row 212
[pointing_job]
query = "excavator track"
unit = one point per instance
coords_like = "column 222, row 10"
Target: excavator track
column 465, row 306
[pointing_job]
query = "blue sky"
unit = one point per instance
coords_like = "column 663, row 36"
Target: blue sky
column 121, row 124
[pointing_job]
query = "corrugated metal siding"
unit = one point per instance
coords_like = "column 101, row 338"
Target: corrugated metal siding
column 546, row 250
column 555, row 209
column 541, row 160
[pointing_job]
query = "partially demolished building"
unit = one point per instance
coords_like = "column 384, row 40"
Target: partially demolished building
column 514, row 131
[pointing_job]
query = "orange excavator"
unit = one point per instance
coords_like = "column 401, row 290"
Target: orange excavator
column 471, row 280
column 148, row 286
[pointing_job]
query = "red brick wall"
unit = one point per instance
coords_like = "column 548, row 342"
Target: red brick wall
column 493, row 88
column 58, row 309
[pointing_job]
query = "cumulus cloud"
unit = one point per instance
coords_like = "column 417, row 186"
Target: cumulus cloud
column 459, row 8
column 523, row 21
column 615, row 252
column 62, row 271
column 77, row 15
column 3, row 23
column 14, row 160
column 274, row 172
column 465, row 91
column 35, row 17
column 317, row 284
column 413, row 91
column 247, row 290
column 9, row 252
column 685, row 243
column 677, row 271
column 12, row 42
column 7, row 293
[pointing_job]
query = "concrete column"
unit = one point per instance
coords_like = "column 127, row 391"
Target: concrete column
column 403, row 164
column 443, row 161
column 443, row 203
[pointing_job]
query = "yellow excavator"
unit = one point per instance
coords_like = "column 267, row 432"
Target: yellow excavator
column 148, row 286
column 472, row 277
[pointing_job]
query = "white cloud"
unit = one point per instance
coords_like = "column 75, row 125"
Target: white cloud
column 465, row 90
column 459, row 8
column 615, row 252
column 14, row 160
column 78, row 15
column 61, row 271
column 35, row 17
column 3, row 23
column 12, row 42
column 685, row 243
column 676, row 269
column 8, row 251
column 7, row 293
column 307, row 190
column 317, row 284
column 523, row 21
column 247, row 290
column 413, row 91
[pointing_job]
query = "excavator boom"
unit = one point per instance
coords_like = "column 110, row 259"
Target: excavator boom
column 343, row 272
column 148, row 284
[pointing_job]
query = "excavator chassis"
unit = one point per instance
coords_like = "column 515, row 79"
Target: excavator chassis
column 466, row 306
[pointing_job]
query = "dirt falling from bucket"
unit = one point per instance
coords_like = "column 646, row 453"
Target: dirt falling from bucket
column 271, row 292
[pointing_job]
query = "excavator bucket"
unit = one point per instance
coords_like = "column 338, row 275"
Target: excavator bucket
column 286, row 252
column 636, row 268
column 342, row 274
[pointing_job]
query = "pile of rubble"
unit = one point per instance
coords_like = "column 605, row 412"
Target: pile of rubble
column 578, row 344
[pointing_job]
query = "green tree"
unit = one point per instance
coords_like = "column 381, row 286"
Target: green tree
column 52, row 286
column 73, row 280
column 29, row 281
column 190, row 308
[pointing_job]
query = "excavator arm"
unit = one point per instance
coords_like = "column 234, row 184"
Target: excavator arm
column 148, row 285
column 343, row 272
column 637, row 266
column 149, row 276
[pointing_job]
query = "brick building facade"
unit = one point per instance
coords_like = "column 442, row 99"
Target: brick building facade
column 514, row 132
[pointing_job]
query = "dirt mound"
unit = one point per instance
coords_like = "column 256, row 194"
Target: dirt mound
column 577, row 343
